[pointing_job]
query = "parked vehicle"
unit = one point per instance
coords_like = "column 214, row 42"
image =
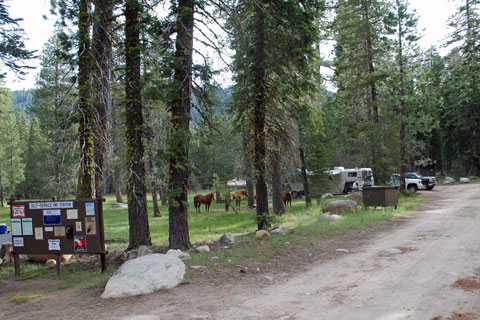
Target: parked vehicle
column 348, row 180
column 411, row 182
column 428, row 182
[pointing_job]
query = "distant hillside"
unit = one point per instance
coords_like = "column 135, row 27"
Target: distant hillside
column 21, row 99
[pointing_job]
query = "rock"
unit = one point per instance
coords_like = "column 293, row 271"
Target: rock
column 290, row 229
column 341, row 206
column 118, row 257
column 227, row 238
column 203, row 249
column 391, row 251
column 143, row 251
column 51, row 262
column 197, row 267
column 200, row 315
column 342, row 251
column 262, row 234
column 358, row 197
column 209, row 243
column 448, row 180
column 464, row 180
column 327, row 195
column 329, row 216
column 119, row 206
column 278, row 230
column 45, row 257
column 179, row 253
column 133, row 254
column 145, row 275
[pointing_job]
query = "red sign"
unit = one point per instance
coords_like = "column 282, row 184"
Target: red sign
column 18, row 211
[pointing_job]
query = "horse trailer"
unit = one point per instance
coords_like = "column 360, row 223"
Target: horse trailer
column 348, row 180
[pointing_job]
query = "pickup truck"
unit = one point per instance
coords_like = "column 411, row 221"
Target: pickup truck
column 428, row 182
column 411, row 183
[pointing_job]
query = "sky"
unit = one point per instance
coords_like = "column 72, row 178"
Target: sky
column 433, row 16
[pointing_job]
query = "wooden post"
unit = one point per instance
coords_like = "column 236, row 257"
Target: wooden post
column 103, row 260
column 16, row 263
column 58, row 259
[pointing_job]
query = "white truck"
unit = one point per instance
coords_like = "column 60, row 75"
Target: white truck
column 348, row 180
column 412, row 182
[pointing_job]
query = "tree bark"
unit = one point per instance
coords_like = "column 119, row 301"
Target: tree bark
column 118, row 184
column 277, row 185
column 156, row 209
column 102, row 56
column 178, row 167
column 259, row 118
column 136, row 189
column 247, row 171
column 306, row 189
column 86, row 177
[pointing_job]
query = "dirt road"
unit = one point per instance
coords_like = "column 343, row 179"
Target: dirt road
column 434, row 273
column 427, row 267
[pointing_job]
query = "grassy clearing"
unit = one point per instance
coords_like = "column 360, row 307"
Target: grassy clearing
column 308, row 229
column 24, row 299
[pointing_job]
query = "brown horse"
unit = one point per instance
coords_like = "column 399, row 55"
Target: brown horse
column 205, row 199
column 287, row 198
column 237, row 195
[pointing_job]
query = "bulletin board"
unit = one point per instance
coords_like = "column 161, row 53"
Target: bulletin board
column 58, row 227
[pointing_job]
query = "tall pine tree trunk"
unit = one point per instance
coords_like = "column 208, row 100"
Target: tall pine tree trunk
column 118, row 184
column 86, row 177
column 102, row 54
column 277, row 184
column 247, row 171
column 403, row 110
column 306, row 189
column 260, row 149
column 178, row 167
column 156, row 209
column 136, row 190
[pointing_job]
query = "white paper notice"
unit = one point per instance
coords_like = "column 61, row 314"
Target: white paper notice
column 90, row 209
column 16, row 227
column 27, row 226
column 18, row 241
column 38, row 233
column 78, row 226
column 72, row 214
column 53, row 244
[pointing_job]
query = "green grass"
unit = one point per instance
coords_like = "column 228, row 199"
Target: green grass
column 202, row 226
column 24, row 299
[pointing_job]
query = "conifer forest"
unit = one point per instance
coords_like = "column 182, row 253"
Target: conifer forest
column 171, row 97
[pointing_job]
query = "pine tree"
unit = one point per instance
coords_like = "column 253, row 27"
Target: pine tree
column 136, row 183
column 35, row 176
column 11, row 163
column 178, row 167
column 464, row 69
column 12, row 48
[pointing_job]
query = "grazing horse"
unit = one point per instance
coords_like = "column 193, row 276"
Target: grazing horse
column 287, row 198
column 205, row 199
column 237, row 195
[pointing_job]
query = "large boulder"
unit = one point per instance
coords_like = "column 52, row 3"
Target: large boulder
column 357, row 197
column 448, row 180
column 464, row 180
column 145, row 275
column 227, row 238
column 341, row 206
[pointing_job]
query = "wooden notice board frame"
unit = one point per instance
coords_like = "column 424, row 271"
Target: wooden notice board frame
column 58, row 227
